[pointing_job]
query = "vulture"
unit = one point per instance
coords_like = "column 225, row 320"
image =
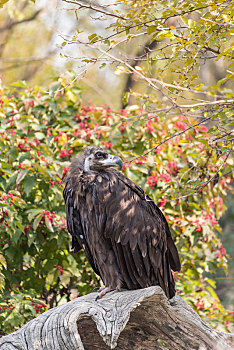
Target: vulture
column 125, row 236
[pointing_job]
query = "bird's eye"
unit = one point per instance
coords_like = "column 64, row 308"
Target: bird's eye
column 99, row 155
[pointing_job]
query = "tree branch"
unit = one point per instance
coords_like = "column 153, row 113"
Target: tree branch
column 150, row 81
column 95, row 9
column 209, row 103
column 137, row 319
column 139, row 74
column 200, row 187
column 217, row 172
column 130, row 79
column 178, row 87
column 171, row 137
column 128, row 27
column 12, row 24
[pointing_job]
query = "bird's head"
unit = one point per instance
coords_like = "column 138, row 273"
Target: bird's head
column 98, row 159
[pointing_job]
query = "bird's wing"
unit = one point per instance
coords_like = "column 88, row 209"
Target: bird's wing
column 75, row 226
column 152, row 208
column 139, row 233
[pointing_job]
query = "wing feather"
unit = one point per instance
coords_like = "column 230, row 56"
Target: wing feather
column 118, row 249
column 118, row 212
column 131, row 267
column 139, row 233
column 76, row 224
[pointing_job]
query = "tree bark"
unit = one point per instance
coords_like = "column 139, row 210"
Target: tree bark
column 138, row 319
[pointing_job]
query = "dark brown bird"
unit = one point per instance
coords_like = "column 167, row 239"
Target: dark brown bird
column 125, row 236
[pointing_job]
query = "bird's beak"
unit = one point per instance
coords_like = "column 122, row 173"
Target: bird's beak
column 113, row 161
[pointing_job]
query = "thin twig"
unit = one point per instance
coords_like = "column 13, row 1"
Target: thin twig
column 150, row 81
column 96, row 9
column 149, row 21
column 206, row 183
column 178, row 87
column 139, row 74
column 169, row 138
column 208, row 103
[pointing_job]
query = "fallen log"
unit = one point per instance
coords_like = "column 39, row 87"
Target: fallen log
column 138, row 319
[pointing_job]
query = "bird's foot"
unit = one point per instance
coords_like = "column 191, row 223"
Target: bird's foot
column 97, row 288
column 102, row 291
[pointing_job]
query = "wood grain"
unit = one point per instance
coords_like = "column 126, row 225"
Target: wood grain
column 137, row 319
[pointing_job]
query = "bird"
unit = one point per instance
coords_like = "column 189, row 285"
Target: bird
column 125, row 236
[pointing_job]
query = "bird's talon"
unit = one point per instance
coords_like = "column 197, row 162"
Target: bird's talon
column 96, row 288
column 102, row 291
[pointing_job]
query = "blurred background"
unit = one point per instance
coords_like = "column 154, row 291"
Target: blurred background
column 37, row 44
column 31, row 48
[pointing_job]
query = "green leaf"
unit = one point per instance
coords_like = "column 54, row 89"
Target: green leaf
column 15, row 237
column 53, row 275
column 31, row 238
column 212, row 292
column 33, row 212
column 19, row 83
column 184, row 19
column 188, row 62
column 151, row 29
column 20, row 226
column 211, row 282
column 37, row 221
column 164, row 34
column 65, row 279
column 13, row 152
column 191, row 23
column 39, row 135
column 2, row 2
column 78, row 142
column 28, row 183
column 102, row 65
column 93, row 37
column 71, row 96
column 3, row 261
column 19, row 202
column 126, row 98
column 49, row 224
column 54, row 86
column 23, row 157
column 21, row 175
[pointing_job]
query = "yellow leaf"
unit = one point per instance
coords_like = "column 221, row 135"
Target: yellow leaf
column 138, row 68
column 62, row 80
column 71, row 96
column 226, row 18
column 62, row 139
column 112, row 43
column 120, row 70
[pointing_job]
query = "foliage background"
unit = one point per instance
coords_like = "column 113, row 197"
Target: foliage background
column 39, row 134
column 162, row 67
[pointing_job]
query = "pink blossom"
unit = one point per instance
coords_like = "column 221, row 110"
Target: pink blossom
column 181, row 125
column 152, row 181
column 165, row 178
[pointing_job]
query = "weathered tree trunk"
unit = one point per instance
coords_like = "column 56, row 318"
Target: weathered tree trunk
column 139, row 319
